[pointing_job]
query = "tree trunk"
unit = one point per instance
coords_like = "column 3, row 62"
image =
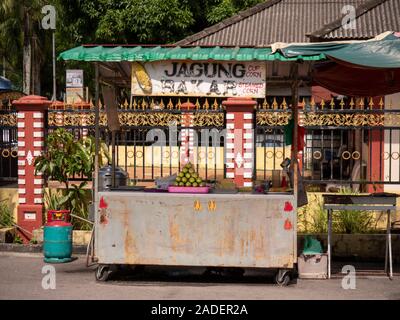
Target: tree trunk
column 27, row 56
column 36, row 67
column 4, row 66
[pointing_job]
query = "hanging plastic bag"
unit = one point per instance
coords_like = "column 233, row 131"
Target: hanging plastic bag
column 311, row 246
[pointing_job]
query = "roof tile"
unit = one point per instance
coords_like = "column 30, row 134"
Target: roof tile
column 295, row 20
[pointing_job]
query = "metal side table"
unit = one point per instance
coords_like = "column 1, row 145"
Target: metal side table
column 373, row 202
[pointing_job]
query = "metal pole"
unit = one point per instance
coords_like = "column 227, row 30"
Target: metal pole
column 97, row 141
column 113, row 159
column 389, row 246
column 295, row 100
column 329, row 241
column 54, row 66
column 386, row 250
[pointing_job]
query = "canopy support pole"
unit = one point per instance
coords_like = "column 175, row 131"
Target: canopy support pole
column 97, row 139
column 113, row 134
column 295, row 100
column 294, row 161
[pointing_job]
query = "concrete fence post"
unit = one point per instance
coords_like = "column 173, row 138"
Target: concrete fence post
column 30, row 133
column 239, row 144
column 187, row 134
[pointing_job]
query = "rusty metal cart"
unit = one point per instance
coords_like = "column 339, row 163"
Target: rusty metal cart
column 139, row 228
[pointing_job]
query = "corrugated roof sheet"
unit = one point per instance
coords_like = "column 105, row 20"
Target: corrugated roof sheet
column 384, row 16
column 294, row 20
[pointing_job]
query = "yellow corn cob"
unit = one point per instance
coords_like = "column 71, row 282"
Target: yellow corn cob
column 142, row 77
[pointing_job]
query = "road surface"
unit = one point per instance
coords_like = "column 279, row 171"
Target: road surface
column 21, row 278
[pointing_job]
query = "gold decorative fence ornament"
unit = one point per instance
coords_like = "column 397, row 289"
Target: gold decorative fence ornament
column 317, row 155
column 201, row 155
column 164, row 112
column 395, row 157
column 356, row 155
column 279, row 155
column 149, row 119
column 392, row 119
column 125, row 119
column 276, row 155
column 8, row 119
column 273, row 118
column 135, row 119
column 217, row 119
column 6, row 153
column 209, row 119
column 14, row 153
column 274, row 106
column 362, row 114
column 310, row 119
column 346, row 155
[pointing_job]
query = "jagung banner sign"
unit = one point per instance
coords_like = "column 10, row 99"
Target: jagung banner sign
column 214, row 79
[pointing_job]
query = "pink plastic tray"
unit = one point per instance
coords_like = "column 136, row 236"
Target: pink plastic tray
column 188, row 189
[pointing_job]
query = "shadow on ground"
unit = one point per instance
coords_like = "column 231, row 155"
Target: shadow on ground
column 182, row 276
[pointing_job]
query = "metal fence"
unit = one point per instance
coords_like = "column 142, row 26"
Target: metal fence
column 8, row 143
column 149, row 144
column 351, row 142
column 346, row 142
column 273, row 117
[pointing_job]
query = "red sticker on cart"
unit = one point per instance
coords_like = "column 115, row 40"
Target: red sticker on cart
column 103, row 204
column 288, row 225
column 288, row 206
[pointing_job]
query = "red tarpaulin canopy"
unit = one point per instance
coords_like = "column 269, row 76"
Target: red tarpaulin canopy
column 351, row 80
column 355, row 68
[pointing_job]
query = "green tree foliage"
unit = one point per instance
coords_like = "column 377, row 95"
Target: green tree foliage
column 21, row 41
column 6, row 214
column 65, row 158
column 227, row 8
column 144, row 21
column 98, row 21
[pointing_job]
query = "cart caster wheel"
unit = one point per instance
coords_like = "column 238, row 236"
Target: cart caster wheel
column 103, row 272
column 282, row 278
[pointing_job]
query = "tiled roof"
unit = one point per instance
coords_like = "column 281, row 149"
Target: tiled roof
column 296, row 20
column 373, row 18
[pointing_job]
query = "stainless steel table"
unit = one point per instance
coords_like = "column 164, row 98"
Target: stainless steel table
column 373, row 202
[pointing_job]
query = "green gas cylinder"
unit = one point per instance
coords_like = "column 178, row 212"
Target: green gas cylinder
column 57, row 237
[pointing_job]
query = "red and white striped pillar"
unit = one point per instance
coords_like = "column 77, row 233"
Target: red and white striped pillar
column 187, row 134
column 31, row 115
column 239, row 145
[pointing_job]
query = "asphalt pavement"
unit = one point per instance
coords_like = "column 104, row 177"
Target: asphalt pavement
column 26, row 276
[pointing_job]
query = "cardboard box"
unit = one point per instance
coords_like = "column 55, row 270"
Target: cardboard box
column 313, row 266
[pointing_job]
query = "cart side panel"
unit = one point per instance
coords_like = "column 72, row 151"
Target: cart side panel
column 196, row 230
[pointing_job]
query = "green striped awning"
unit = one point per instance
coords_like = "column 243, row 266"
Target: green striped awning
column 158, row 53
